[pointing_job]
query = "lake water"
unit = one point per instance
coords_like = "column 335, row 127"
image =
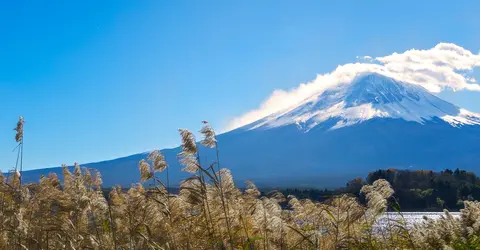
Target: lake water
column 413, row 217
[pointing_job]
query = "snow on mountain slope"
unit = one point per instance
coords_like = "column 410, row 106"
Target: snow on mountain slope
column 369, row 96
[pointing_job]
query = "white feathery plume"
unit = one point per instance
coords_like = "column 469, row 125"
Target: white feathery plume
column 159, row 163
column 208, row 133
column 145, row 172
column 188, row 156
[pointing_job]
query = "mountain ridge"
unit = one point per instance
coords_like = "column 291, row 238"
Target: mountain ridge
column 333, row 137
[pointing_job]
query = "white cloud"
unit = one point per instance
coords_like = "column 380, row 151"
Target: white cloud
column 445, row 66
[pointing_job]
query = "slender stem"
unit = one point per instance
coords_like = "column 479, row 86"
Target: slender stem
column 204, row 189
column 112, row 225
column 168, row 182
column 265, row 240
column 21, row 162
column 206, row 207
column 16, row 164
column 222, row 196
column 96, row 229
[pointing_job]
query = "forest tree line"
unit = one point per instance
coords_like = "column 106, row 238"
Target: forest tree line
column 415, row 190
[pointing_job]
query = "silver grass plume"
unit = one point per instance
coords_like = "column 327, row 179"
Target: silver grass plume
column 77, row 171
column 267, row 214
column 67, row 177
column 137, row 191
column 226, row 179
column 377, row 194
column 145, row 172
column 251, row 190
column 15, row 180
column 97, row 180
column 208, row 133
column 159, row 163
column 190, row 191
column 190, row 162
column 277, row 195
column 188, row 156
column 53, row 179
column 87, row 177
column 294, row 203
column 188, row 142
column 115, row 197
column 19, row 129
column 471, row 217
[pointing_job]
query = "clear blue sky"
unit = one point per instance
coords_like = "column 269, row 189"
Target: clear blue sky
column 102, row 79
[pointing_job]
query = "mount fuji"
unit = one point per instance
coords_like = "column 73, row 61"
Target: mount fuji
column 367, row 97
column 344, row 132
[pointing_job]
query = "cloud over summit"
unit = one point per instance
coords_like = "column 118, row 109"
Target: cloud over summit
column 445, row 66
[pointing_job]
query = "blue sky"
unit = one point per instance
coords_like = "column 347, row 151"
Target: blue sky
column 97, row 80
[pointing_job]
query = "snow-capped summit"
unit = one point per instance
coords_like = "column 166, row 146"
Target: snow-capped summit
column 368, row 96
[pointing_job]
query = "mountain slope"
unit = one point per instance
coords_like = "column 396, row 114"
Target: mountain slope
column 373, row 122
